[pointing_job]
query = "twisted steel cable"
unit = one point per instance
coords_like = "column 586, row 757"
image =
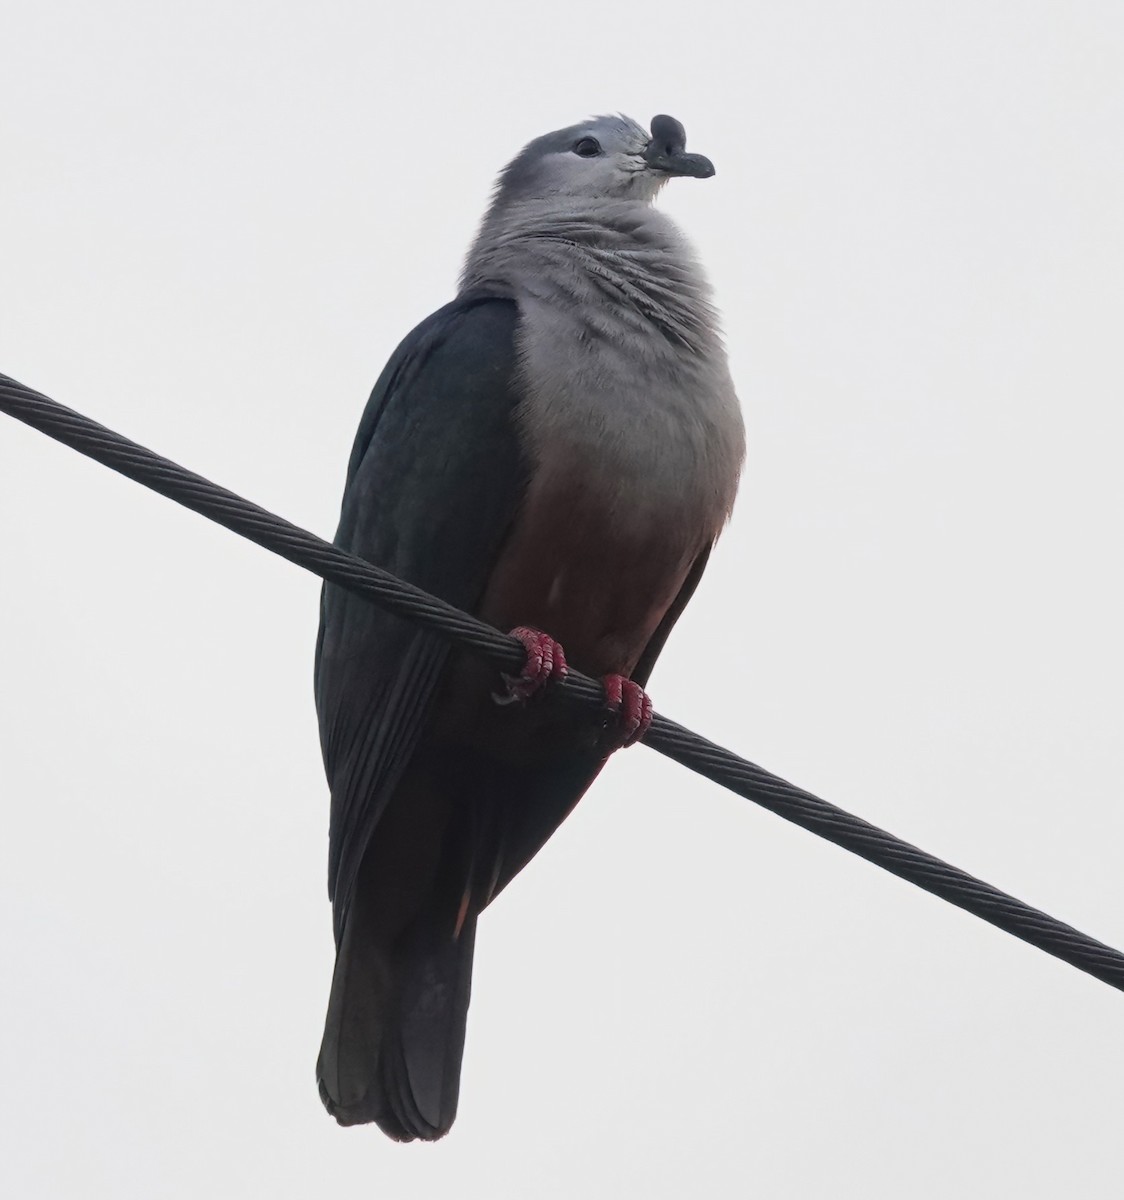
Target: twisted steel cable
column 700, row 755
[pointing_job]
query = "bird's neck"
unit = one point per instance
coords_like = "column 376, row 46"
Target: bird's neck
column 601, row 261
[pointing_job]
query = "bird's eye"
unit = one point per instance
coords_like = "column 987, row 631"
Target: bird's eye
column 587, row 147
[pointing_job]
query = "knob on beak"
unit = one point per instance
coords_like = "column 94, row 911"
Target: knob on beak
column 667, row 151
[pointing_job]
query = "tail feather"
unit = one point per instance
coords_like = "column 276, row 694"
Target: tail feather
column 394, row 1034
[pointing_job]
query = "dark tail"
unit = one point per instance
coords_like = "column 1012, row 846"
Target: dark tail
column 394, row 1035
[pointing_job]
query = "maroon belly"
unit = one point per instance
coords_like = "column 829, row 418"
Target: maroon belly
column 598, row 583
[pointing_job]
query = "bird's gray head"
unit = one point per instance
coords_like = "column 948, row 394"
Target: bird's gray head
column 604, row 158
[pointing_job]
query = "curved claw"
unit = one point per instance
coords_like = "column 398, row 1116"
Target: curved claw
column 546, row 662
column 630, row 709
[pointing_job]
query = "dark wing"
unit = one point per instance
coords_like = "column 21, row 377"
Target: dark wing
column 434, row 482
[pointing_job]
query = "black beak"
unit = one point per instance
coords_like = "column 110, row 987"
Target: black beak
column 667, row 151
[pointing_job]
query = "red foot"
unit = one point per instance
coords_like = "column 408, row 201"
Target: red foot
column 630, row 711
column 546, row 661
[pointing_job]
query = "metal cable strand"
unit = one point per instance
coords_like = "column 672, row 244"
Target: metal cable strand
column 700, row 755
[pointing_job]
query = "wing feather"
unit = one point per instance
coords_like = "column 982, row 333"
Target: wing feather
column 434, row 482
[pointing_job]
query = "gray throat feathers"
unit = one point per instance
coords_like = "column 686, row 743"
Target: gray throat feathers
column 628, row 393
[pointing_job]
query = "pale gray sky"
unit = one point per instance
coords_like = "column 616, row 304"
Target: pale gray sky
column 216, row 221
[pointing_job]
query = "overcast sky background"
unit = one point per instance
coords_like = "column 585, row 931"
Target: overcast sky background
column 216, row 222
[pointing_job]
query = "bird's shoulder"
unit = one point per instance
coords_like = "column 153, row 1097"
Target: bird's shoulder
column 463, row 352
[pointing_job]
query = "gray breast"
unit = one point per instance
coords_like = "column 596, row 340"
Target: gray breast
column 628, row 393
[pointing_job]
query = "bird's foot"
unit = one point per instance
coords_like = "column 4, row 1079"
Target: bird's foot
column 630, row 712
column 546, row 663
